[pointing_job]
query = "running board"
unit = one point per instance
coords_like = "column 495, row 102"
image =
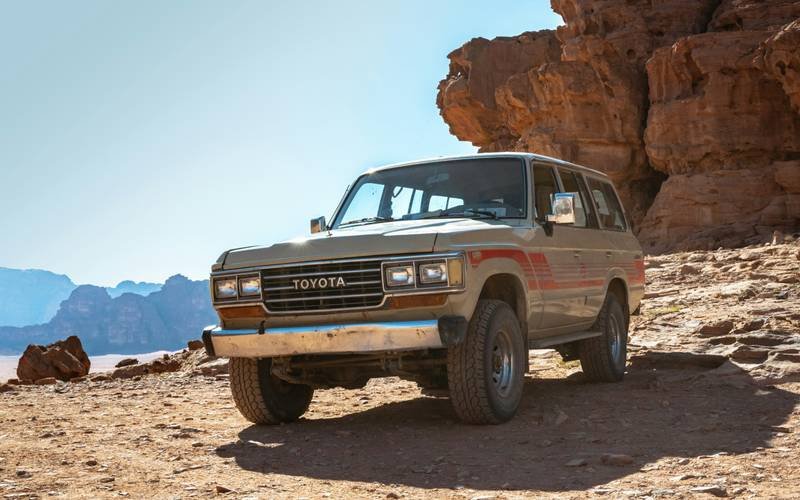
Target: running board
column 561, row 339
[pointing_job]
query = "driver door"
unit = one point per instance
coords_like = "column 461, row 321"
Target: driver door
column 548, row 256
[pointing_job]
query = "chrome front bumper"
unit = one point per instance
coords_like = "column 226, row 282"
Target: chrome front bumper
column 334, row 339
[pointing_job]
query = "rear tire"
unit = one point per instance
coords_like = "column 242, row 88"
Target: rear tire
column 603, row 358
column 263, row 398
column 485, row 372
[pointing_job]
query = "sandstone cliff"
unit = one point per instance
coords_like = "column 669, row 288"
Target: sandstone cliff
column 692, row 107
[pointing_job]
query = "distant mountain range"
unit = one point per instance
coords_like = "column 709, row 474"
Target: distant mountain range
column 32, row 296
column 126, row 324
column 137, row 287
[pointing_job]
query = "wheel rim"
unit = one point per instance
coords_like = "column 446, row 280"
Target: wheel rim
column 502, row 363
column 615, row 339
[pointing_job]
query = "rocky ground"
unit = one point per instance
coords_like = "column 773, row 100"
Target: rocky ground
column 710, row 407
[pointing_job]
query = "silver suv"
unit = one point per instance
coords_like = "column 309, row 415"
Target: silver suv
column 442, row 271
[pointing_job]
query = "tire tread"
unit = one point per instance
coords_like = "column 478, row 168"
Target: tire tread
column 595, row 353
column 253, row 391
column 246, row 391
column 465, row 368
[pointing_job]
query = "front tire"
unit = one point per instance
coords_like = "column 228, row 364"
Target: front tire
column 263, row 398
column 603, row 358
column 485, row 372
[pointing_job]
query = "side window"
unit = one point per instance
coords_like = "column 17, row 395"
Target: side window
column 544, row 186
column 583, row 206
column 609, row 209
column 587, row 201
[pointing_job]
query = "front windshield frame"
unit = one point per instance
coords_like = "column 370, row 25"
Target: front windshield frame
column 336, row 222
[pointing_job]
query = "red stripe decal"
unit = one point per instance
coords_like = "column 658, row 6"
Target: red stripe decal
column 539, row 274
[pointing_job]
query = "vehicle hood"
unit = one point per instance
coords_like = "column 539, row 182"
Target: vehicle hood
column 388, row 238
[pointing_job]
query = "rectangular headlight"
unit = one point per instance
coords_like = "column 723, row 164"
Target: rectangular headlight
column 225, row 288
column 434, row 272
column 249, row 286
column 399, row 276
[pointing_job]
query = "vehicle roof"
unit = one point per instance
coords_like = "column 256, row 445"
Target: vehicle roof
column 476, row 156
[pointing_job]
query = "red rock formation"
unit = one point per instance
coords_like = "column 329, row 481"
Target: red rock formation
column 639, row 91
column 477, row 69
column 62, row 360
column 712, row 107
column 780, row 57
column 717, row 124
column 750, row 15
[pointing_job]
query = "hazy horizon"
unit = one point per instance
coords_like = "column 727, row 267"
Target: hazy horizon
column 143, row 139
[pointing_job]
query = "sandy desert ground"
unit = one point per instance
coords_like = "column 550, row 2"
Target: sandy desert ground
column 710, row 407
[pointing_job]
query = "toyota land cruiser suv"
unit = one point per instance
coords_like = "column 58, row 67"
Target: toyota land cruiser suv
column 441, row 271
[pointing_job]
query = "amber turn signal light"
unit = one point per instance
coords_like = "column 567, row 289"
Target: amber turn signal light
column 242, row 312
column 408, row 301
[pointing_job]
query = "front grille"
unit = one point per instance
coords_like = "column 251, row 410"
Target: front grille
column 362, row 286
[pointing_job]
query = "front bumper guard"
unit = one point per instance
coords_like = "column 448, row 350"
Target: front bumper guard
column 335, row 339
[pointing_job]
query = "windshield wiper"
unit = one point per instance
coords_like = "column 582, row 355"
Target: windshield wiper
column 367, row 220
column 487, row 213
column 465, row 212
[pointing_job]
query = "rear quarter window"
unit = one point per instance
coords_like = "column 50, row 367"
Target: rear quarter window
column 609, row 209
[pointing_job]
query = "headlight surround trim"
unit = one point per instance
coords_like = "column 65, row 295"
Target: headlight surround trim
column 451, row 267
column 455, row 263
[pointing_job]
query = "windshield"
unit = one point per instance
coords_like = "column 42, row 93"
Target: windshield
column 480, row 188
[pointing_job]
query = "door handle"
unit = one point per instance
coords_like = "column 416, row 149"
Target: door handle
column 576, row 254
column 609, row 255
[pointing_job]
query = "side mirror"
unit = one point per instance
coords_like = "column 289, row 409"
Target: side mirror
column 318, row 225
column 563, row 209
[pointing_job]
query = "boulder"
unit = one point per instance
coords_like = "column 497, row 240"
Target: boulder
column 616, row 459
column 130, row 371
column 62, row 360
column 195, row 344
column 214, row 367
column 164, row 364
column 716, row 328
column 127, row 362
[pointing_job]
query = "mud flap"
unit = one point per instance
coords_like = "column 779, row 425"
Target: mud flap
column 452, row 330
column 207, row 340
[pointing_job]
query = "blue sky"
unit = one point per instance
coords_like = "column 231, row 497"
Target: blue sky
column 140, row 139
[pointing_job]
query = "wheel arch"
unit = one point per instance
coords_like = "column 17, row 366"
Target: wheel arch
column 619, row 288
column 508, row 288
